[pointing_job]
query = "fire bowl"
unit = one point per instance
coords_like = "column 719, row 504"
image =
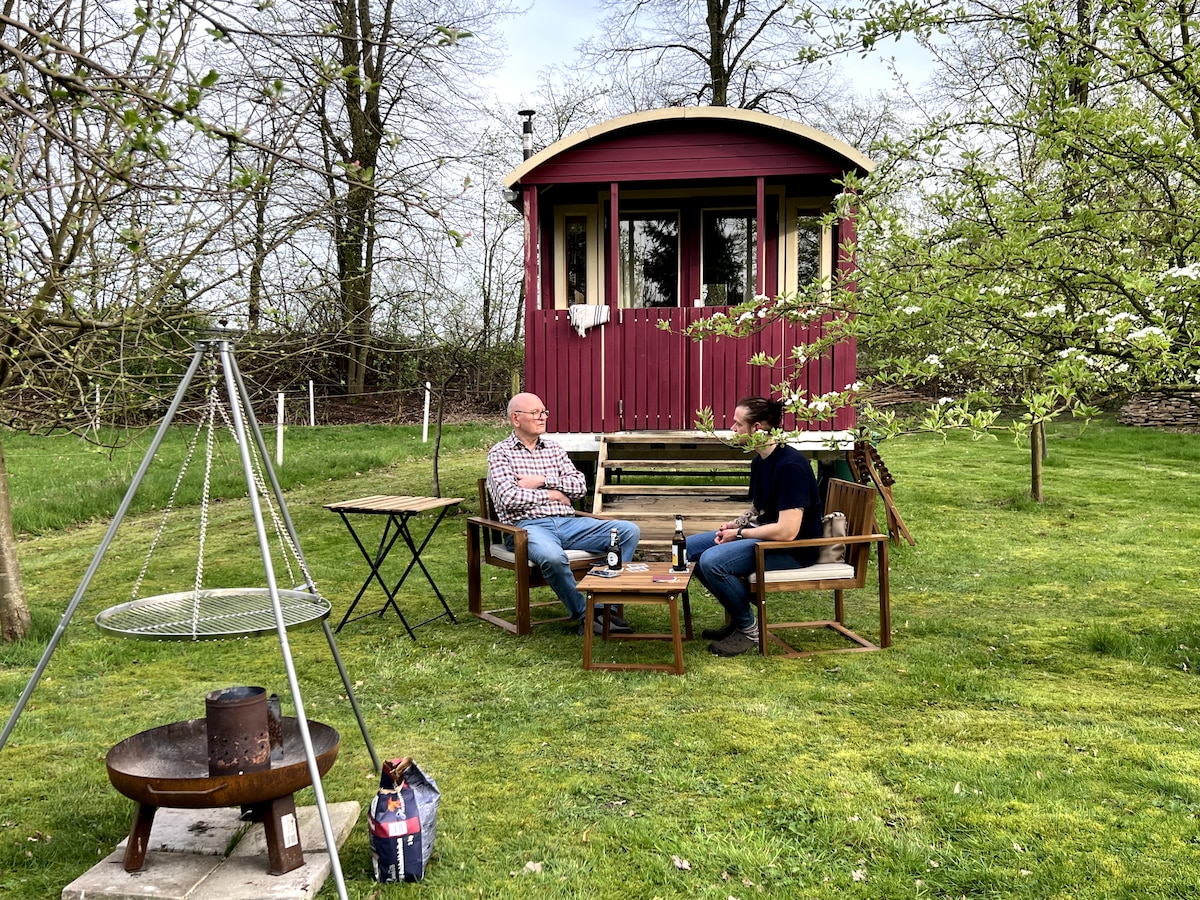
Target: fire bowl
column 168, row 766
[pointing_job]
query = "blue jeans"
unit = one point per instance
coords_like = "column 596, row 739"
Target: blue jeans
column 724, row 568
column 550, row 538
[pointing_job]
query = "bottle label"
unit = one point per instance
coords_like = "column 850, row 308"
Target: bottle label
column 614, row 559
column 679, row 560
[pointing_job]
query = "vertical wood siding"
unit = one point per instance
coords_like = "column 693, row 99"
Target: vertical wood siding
column 663, row 377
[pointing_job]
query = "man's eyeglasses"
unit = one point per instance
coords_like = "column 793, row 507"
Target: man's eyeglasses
column 536, row 413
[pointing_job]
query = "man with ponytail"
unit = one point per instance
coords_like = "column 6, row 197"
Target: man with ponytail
column 786, row 505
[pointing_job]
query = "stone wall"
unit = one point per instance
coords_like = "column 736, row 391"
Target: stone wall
column 1163, row 409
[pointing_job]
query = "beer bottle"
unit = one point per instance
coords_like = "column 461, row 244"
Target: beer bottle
column 679, row 560
column 614, row 552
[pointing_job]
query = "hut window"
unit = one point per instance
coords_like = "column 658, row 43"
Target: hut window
column 811, row 247
column 649, row 250
column 576, row 256
column 808, row 249
column 728, row 256
column 576, row 251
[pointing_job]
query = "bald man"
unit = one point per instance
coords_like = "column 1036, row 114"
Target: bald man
column 532, row 482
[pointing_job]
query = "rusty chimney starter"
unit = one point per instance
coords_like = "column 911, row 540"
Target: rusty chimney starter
column 238, row 732
column 526, row 131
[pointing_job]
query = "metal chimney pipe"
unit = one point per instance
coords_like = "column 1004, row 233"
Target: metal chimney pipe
column 527, row 131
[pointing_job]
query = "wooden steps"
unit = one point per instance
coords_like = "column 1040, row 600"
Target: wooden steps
column 651, row 478
column 679, row 466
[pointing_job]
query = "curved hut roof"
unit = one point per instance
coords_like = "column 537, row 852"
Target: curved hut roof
column 717, row 141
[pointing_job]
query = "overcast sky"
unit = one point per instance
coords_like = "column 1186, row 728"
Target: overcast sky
column 546, row 37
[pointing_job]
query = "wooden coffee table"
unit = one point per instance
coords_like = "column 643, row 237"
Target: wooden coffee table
column 632, row 589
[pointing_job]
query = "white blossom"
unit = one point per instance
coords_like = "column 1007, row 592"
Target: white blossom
column 1150, row 331
column 1192, row 270
column 934, row 360
column 911, row 310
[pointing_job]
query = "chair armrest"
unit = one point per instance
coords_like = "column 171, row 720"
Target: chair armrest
column 481, row 522
column 479, row 531
column 818, row 542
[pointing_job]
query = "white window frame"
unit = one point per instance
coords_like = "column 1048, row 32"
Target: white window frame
column 591, row 214
column 622, row 300
column 789, row 274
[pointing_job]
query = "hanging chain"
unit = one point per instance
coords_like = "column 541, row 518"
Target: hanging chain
column 287, row 547
column 162, row 524
column 213, row 405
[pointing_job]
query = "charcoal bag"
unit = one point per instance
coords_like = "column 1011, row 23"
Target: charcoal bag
column 402, row 819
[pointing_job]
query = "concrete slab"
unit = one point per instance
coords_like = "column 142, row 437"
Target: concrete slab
column 167, row 876
column 243, row 876
column 342, row 817
column 192, row 870
column 208, row 831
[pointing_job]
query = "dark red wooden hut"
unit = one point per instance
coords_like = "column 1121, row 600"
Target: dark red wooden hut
column 668, row 216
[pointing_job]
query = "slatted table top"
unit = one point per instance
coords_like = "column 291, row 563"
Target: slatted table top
column 638, row 582
column 388, row 503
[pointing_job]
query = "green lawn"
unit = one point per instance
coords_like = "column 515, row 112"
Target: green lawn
column 1032, row 733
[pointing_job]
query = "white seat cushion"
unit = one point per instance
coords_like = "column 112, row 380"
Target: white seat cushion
column 819, row 572
column 501, row 552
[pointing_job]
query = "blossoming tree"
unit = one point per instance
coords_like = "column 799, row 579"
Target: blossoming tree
column 1033, row 245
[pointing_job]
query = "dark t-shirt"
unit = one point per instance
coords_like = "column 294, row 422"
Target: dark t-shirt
column 785, row 480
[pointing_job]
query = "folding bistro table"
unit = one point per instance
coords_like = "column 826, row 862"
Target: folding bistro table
column 399, row 510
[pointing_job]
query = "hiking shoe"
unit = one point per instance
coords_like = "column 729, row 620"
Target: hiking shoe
column 615, row 622
column 616, row 625
column 735, row 645
column 718, row 634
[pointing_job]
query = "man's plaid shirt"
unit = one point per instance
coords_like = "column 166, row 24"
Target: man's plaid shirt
column 510, row 460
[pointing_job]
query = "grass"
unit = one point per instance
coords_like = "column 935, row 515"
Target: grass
column 1032, row 733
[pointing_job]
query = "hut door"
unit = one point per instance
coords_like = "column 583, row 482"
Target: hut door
column 650, row 371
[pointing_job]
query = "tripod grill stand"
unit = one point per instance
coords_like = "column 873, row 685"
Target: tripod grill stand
column 238, row 612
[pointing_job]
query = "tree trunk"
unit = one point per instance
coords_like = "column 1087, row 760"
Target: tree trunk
column 14, row 611
column 718, row 43
column 1037, row 443
column 254, row 302
column 355, row 254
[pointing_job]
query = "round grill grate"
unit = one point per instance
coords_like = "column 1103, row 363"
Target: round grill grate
column 210, row 615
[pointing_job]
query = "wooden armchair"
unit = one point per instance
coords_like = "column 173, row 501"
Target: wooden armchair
column 857, row 501
column 485, row 546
